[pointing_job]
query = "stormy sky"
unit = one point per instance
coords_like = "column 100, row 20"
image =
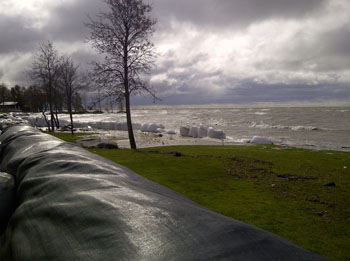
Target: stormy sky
column 210, row 51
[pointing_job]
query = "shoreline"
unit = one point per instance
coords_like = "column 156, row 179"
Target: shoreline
column 149, row 140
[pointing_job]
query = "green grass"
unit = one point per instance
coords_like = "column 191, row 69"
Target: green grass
column 277, row 189
column 68, row 136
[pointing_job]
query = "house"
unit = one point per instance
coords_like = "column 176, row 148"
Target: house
column 9, row 106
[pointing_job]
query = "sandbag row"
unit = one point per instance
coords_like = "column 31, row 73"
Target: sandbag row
column 153, row 127
column 202, row 132
column 103, row 125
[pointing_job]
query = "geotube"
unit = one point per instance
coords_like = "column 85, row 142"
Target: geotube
column 74, row 205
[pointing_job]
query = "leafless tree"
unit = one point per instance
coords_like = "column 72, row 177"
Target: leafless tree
column 72, row 81
column 4, row 93
column 123, row 35
column 45, row 70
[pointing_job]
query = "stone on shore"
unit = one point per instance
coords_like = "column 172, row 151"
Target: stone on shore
column 96, row 143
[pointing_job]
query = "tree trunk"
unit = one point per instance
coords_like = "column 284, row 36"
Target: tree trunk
column 47, row 122
column 56, row 118
column 127, row 92
column 51, row 107
column 129, row 123
column 70, row 114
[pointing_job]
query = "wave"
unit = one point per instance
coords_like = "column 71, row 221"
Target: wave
column 262, row 125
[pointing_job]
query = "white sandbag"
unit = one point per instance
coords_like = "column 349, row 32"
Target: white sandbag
column 216, row 133
column 202, row 131
column 124, row 126
column 171, row 132
column 260, row 140
column 78, row 124
column 30, row 120
column 145, row 127
column 184, row 131
column 104, row 125
column 64, row 123
column 41, row 122
column 98, row 125
column 160, row 130
column 193, row 132
column 136, row 126
column 112, row 125
column 153, row 127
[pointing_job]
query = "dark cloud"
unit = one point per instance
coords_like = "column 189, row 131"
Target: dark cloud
column 67, row 21
column 249, row 92
column 336, row 42
column 231, row 13
column 65, row 24
column 16, row 36
column 324, row 52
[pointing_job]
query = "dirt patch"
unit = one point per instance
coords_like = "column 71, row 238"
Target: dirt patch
column 291, row 177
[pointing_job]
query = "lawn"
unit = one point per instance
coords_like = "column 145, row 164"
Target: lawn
column 68, row 136
column 301, row 195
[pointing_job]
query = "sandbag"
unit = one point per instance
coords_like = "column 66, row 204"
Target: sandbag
column 74, row 205
column 7, row 198
column 184, row 131
column 260, row 140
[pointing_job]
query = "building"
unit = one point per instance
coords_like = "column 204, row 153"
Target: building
column 9, row 106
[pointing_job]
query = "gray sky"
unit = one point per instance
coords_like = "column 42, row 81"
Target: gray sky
column 211, row 51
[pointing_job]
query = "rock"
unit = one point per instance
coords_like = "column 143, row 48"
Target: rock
column 67, row 128
column 177, row 154
column 96, row 143
column 106, row 144
column 330, row 184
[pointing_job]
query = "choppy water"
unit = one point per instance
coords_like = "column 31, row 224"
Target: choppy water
column 308, row 127
column 311, row 127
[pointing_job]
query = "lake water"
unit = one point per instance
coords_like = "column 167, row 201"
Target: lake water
column 308, row 127
column 311, row 127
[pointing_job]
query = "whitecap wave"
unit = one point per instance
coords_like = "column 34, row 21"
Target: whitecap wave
column 262, row 125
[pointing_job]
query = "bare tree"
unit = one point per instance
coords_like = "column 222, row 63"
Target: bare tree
column 72, row 82
column 5, row 93
column 122, row 34
column 45, row 70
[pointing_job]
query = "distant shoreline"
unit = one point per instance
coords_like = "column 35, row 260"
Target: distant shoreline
column 248, row 105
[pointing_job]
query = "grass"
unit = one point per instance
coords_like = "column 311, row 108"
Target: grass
column 281, row 190
column 68, row 136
